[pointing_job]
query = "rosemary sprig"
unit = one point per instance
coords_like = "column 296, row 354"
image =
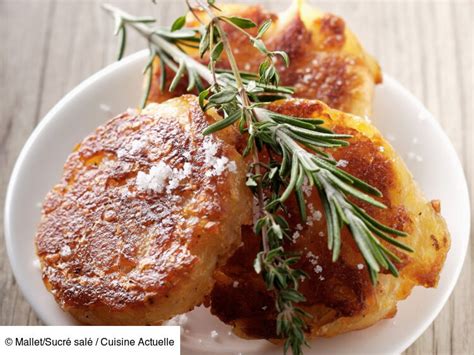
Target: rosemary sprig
column 298, row 143
column 168, row 47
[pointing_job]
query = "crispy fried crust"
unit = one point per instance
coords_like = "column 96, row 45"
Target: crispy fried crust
column 339, row 295
column 114, row 254
column 327, row 61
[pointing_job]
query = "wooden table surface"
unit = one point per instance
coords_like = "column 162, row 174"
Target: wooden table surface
column 48, row 47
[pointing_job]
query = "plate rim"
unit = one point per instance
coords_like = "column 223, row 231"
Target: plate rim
column 137, row 56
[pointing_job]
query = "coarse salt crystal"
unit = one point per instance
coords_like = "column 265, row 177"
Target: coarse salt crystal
column 317, row 215
column 220, row 165
column 155, row 179
column 360, row 266
column 318, row 269
column 217, row 164
column 295, row 236
column 235, row 284
column 65, row 251
column 307, row 189
column 137, row 145
column 210, row 150
column 214, row 334
column 342, row 163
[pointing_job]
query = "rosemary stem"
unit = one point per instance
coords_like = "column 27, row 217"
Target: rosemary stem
column 246, row 103
column 230, row 56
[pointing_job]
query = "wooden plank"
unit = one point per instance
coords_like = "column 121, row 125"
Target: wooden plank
column 22, row 76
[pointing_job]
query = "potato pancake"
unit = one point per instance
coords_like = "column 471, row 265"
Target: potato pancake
column 339, row 294
column 147, row 208
column 327, row 62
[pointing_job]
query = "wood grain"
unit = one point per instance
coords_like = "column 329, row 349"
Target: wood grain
column 49, row 46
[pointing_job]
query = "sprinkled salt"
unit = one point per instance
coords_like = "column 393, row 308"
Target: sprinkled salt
column 360, row 266
column 137, row 145
column 214, row 334
column 342, row 163
column 318, row 269
column 210, row 150
column 307, row 188
column 155, row 179
column 65, row 251
column 235, row 284
column 295, row 236
column 218, row 164
column 317, row 215
column 299, row 227
column 321, row 278
column 321, row 234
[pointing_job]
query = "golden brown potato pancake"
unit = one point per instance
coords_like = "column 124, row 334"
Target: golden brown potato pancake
column 147, row 208
column 339, row 294
column 327, row 61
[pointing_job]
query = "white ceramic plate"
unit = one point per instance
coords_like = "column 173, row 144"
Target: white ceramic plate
column 402, row 119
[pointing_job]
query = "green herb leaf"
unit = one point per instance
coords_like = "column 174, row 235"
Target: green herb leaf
column 178, row 23
column 263, row 28
column 241, row 22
